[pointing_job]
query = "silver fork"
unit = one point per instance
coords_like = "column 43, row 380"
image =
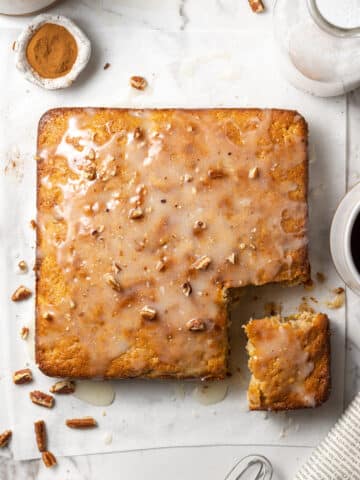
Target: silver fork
column 251, row 467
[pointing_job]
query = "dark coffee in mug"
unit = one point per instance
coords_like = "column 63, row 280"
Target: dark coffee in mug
column 355, row 242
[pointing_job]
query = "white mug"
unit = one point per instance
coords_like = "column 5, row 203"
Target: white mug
column 23, row 7
column 340, row 238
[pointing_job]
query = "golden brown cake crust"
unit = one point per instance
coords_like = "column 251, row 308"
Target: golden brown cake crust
column 289, row 361
column 137, row 208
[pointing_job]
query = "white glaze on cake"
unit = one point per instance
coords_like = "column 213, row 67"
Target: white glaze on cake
column 128, row 210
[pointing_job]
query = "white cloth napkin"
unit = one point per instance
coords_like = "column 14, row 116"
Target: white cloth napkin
column 338, row 456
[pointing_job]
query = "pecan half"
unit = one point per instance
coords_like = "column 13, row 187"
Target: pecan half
column 22, row 376
column 148, row 313
column 21, row 293
column 201, row 263
column 138, row 82
column 63, row 387
column 256, row 6
column 196, row 325
column 5, row 438
column 85, row 422
column 40, row 435
column 49, row 459
column 42, row 399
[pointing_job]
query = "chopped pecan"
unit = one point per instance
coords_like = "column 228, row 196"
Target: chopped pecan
column 201, row 263
column 40, row 435
column 136, row 213
column 116, row 268
column 85, row 422
column 33, row 224
column 186, row 288
column 106, row 66
column 138, row 82
column 160, row 266
column 215, row 173
column 112, row 281
column 21, row 293
column 42, row 399
column 253, row 173
column 23, row 266
column 148, row 313
column 232, row 258
column 256, row 6
column 49, row 459
column 187, row 178
column 90, row 171
column 199, row 226
column 5, row 438
column 24, row 333
column 22, row 376
column 63, row 387
column 138, row 133
column 196, row 325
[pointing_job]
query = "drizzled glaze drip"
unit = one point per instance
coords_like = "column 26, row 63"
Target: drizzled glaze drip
column 119, row 194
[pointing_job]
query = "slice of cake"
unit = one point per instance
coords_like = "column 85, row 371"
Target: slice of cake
column 289, row 361
column 146, row 219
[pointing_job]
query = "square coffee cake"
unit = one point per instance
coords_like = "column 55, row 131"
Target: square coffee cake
column 147, row 219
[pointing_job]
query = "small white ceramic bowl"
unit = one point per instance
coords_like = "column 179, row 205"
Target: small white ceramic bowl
column 23, row 7
column 82, row 59
column 340, row 238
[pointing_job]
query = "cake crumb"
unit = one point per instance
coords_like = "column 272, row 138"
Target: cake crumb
column 272, row 308
column 309, row 285
column 107, row 65
column 108, row 438
column 338, row 300
column 305, row 307
column 320, row 277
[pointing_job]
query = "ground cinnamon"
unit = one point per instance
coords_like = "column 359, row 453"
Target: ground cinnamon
column 52, row 51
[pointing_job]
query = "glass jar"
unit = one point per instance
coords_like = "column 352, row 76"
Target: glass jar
column 315, row 55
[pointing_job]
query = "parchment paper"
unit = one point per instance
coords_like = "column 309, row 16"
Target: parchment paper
column 195, row 69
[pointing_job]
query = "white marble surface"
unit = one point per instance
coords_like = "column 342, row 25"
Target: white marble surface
column 207, row 462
